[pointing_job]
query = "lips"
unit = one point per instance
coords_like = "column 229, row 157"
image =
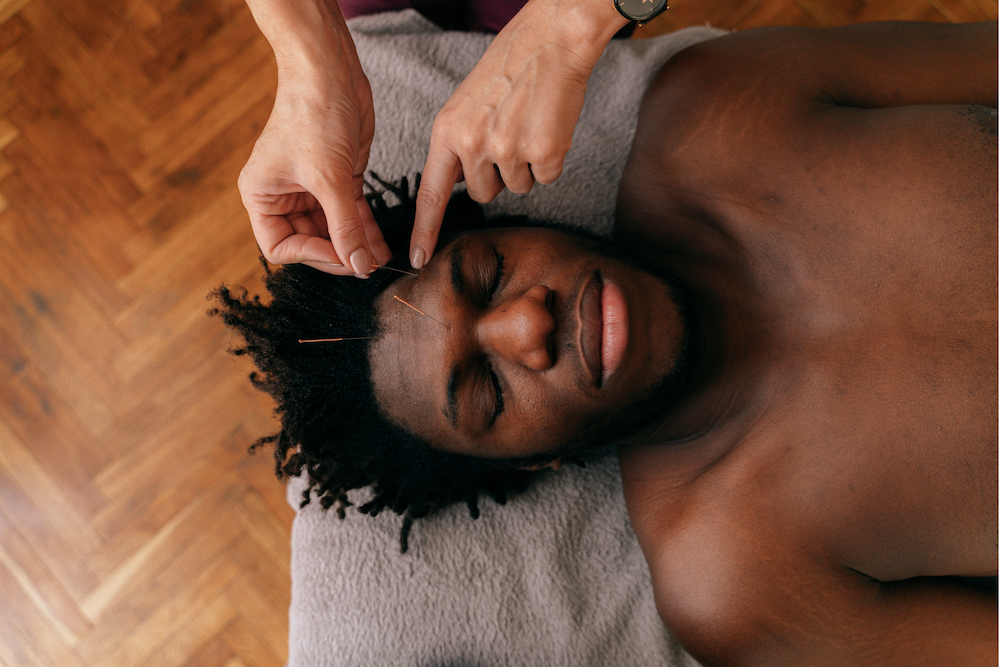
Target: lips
column 604, row 328
column 614, row 329
column 591, row 326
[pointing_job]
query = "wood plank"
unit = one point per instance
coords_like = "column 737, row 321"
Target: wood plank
column 258, row 469
column 39, row 584
column 61, row 46
column 210, row 621
column 46, row 513
column 26, row 636
column 257, row 642
column 175, row 583
column 213, row 57
column 8, row 8
column 213, row 653
column 205, row 177
column 12, row 61
column 76, row 241
column 252, row 649
column 74, row 342
column 181, row 32
column 67, row 150
column 62, row 445
column 25, row 343
column 116, row 583
column 10, row 31
column 165, row 478
column 176, row 137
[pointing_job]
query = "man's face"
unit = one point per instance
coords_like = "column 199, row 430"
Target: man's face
column 541, row 339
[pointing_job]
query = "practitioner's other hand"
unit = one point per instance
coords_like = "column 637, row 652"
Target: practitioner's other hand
column 510, row 123
column 302, row 185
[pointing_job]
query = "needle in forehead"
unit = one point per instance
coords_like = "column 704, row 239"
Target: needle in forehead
column 421, row 312
column 333, row 340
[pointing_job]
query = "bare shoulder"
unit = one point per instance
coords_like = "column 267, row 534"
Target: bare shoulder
column 777, row 124
column 737, row 581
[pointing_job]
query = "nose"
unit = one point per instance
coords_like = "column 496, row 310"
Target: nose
column 519, row 329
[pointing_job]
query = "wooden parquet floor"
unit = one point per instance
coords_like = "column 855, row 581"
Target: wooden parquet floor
column 134, row 528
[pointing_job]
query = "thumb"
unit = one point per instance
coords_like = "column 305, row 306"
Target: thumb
column 347, row 231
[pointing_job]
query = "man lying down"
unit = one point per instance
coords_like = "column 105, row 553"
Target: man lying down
column 792, row 340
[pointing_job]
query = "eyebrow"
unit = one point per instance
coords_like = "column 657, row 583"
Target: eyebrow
column 457, row 259
column 458, row 284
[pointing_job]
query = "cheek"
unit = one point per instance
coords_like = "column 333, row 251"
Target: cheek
column 543, row 409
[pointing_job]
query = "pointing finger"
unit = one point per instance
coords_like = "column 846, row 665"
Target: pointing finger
column 441, row 171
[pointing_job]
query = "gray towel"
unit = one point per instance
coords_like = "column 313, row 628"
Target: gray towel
column 555, row 577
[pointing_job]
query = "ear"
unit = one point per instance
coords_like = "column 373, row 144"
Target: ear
column 555, row 464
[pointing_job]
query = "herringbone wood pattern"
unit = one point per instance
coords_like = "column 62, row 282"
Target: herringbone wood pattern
column 134, row 529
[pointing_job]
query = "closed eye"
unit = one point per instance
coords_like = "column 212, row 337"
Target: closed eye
column 486, row 267
column 492, row 290
column 497, row 391
column 488, row 276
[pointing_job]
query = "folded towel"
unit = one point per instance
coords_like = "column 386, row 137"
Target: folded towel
column 556, row 576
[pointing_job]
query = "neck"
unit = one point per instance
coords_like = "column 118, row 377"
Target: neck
column 726, row 377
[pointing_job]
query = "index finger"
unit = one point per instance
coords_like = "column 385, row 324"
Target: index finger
column 441, row 171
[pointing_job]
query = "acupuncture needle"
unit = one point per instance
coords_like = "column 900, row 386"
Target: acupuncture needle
column 409, row 273
column 337, row 340
column 421, row 312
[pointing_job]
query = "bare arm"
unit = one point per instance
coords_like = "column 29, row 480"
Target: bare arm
column 894, row 64
column 731, row 121
column 303, row 183
column 867, row 65
column 747, row 592
column 928, row 621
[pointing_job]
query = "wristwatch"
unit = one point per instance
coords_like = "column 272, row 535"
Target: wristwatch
column 641, row 11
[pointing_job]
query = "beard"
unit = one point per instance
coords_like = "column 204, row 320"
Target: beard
column 660, row 398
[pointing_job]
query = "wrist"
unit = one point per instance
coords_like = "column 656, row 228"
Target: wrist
column 303, row 33
column 585, row 26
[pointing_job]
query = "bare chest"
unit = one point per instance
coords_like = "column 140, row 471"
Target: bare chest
column 874, row 442
column 887, row 462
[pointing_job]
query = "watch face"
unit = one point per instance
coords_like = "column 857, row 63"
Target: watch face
column 641, row 10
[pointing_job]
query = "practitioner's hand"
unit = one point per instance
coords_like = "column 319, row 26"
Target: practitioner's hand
column 303, row 183
column 510, row 123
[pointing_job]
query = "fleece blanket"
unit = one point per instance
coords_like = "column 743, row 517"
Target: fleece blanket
column 554, row 577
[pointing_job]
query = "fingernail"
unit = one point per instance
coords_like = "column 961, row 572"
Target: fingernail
column 417, row 256
column 360, row 262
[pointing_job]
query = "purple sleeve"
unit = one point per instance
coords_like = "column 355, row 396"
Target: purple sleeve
column 467, row 15
column 474, row 15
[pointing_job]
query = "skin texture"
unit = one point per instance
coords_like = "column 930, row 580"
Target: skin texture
column 535, row 325
column 509, row 124
column 831, row 197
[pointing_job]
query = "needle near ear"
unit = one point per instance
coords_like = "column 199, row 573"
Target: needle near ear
column 336, row 340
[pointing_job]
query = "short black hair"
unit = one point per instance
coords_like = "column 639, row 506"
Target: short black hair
column 331, row 426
